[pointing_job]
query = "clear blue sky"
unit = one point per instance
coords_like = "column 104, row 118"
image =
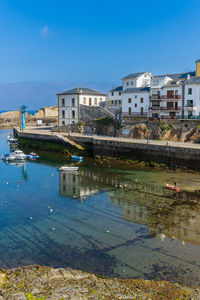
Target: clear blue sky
column 48, row 45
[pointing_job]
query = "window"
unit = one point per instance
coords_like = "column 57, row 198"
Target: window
column 129, row 110
column 135, row 96
column 135, row 104
column 120, row 93
column 189, row 103
column 190, row 114
column 115, row 102
column 155, row 82
column 141, row 100
column 63, row 122
column 63, row 102
column 73, row 114
column 127, row 83
column 84, row 100
column 112, row 93
column 63, row 114
column 189, row 91
column 100, row 99
column 90, row 101
column 129, row 100
column 131, row 82
column 120, row 102
column 112, row 102
column 73, row 102
column 95, row 101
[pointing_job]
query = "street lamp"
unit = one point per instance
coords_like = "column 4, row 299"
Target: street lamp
column 149, row 109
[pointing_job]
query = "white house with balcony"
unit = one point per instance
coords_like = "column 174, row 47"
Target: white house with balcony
column 167, row 94
column 192, row 98
column 69, row 103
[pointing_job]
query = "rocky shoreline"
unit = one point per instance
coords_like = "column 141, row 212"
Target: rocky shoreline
column 39, row 283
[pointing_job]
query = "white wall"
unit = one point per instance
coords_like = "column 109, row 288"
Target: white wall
column 85, row 99
column 195, row 96
column 135, row 99
column 68, row 108
column 116, row 98
column 159, row 82
column 143, row 80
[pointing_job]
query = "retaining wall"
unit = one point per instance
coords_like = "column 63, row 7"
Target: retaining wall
column 173, row 155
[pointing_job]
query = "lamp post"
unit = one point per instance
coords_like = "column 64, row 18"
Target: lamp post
column 149, row 109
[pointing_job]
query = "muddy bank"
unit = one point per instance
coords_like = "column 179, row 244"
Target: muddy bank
column 36, row 282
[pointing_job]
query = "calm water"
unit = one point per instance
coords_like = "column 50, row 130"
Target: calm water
column 109, row 222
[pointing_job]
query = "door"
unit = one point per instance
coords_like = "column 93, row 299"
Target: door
column 172, row 115
column 170, row 94
column 90, row 101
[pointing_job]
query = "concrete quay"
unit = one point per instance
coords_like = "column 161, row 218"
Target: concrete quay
column 173, row 154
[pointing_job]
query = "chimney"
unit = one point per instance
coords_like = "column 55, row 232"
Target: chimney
column 188, row 76
column 197, row 68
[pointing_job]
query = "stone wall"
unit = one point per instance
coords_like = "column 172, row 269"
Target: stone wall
column 172, row 155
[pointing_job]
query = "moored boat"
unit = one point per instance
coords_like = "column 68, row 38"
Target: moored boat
column 16, row 155
column 32, row 156
column 172, row 187
column 68, row 168
column 77, row 158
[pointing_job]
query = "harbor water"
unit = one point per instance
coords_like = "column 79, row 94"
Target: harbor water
column 115, row 223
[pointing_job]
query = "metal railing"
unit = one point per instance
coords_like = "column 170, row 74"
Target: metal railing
column 163, row 97
column 135, row 114
column 168, row 108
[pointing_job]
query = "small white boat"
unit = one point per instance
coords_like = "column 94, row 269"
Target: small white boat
column 12, row 140
column 68, row 168
column 16, row 155
column 9, row 137
column 19, row 155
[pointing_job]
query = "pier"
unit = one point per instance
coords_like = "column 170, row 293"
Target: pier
column 173, row 154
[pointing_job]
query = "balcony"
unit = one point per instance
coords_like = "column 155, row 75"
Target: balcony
column 135, row 114
column 167, row 108
column 190, row 108
column 165, row 97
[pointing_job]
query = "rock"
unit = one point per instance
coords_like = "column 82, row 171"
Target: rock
column 2, row 278
column 55, row 274
column 17, row 296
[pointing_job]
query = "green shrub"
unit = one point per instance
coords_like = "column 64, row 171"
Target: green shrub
column 103, row 121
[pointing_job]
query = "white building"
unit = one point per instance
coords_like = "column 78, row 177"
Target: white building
column 136, row 80
column 114, row 101
column 167, row 95
column 192, row 97
column 135, row 102
column 69, row 103
column 135, row 95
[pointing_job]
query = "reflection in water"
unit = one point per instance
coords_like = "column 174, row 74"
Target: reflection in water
column 75, row 184
column 164, row 217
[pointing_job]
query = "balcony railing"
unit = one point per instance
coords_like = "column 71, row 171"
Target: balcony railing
column 135, row 114
column 169, row 117
column 168, row 108
column 190, row 108
column 165, row 97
